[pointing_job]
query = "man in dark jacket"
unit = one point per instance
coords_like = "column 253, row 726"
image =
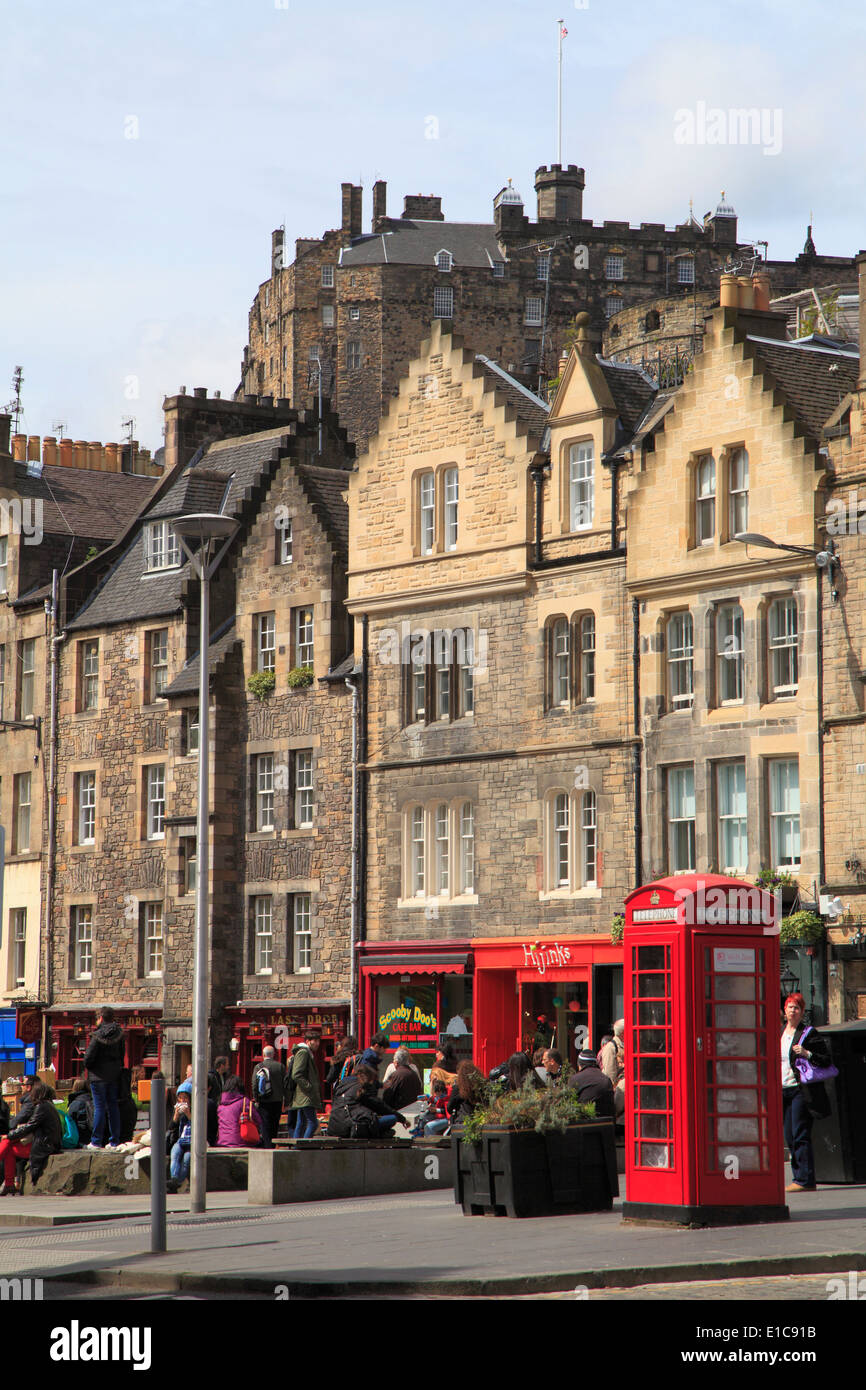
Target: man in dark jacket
column 267, row 1091
column 304, row 1093
column 216, row 1079
column 104, row 1062
column 591, row 1084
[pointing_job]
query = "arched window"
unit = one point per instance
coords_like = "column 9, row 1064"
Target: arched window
column 738, row 492
column 588, row 840
column 561, row 841
column 652, row 321
column 444, row 260
column 560, row 662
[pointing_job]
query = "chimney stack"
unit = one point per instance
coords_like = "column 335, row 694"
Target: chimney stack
column 5, row 438
column 380, row 191
column 351, row 223
column 277, row 247
column 423, row 207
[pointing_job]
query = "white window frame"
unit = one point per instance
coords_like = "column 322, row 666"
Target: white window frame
column 452, row 498
column 499, row 270
column 581, row 485
column 155, row 801
column 22, row 788
column 327, row 277
column 266, row 641
column 4, row 564
column 2, row 678
column 304, row 635
column 705, row 500
column 263, row 929
column 614, row 266
column 355, row 313
column 783, row 642
column 732, row 823
column 443, row 302
column 302, row 934
column 162, row 547
column 82, row 942
column 533, row 310
column 304, row 795
column 427, row 512
column 730, row 654
column 784, row 812
column 328, row 315
column 158, row 656
column 685, row 270
column 18, row 947
column 439, row 859
column 612, row 305
column 286, row 542
column 85, row 801
column 153, row 940
column 192, row 727
column 542, row 266
column 418, row 852
column 560, row 662
column 264, row 791
column 444, row 261
column 680, row 644
column 680, row 797
column 467, row 848
column 589, row 839
column 561, row 841
column 353, row 354
column 27, row 686
column 89, row 697
column 738, row 492
column 586, row 654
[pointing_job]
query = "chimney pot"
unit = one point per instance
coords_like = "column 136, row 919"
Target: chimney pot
column 19, row 447
column 33, row 447
column 200, row 393
column 5, row 427
column 49, row 451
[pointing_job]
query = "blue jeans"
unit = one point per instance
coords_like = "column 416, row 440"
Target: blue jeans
column 798, row 1136
column 105, row 1102
column 306, row 1123
column 436, row 1126
column 387, row 1123
column 180, row 1161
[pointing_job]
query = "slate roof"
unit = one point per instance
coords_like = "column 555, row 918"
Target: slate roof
column 84, row 501
column 221, row 643
column 415, row 242
column 531, row 409
column 631, row 389
column 814, row 379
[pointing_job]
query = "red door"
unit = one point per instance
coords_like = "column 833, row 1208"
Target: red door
column 733, row 1053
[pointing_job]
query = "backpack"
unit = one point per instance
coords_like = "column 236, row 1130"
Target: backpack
column 264, row 1089
column 349, row 1066
column 69, row 1137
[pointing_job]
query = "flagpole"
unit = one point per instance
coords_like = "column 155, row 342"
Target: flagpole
column 559, row 23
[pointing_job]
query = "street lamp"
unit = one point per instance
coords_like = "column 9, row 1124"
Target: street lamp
column 825, row 559
column 200, row 535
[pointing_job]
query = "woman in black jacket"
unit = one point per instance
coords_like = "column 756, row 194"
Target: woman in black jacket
column 40, row 1136
column 80, row 1109
column 357, row 1112
column 468, row 1092
column 802, row 1102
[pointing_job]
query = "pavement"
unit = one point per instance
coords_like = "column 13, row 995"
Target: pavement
column 411, row 1245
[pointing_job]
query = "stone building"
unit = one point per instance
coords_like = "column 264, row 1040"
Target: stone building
column 123, row 906
column 52, row 515
column 352, row 307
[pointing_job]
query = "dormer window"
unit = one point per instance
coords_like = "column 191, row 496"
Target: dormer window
column 444, row 260
column 161, row 547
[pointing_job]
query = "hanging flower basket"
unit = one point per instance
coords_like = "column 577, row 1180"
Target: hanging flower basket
column 300, row 676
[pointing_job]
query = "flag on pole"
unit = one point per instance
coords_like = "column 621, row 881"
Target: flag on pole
column 563, row 32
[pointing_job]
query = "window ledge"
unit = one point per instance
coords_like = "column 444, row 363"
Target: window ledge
column 461, row 900
column 557, row 894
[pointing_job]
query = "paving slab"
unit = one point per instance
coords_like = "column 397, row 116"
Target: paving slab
column 421, row 1242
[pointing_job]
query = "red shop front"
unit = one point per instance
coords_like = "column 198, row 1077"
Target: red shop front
column 418, row 992
column 257, row 1024
column 70, row 1031
column 562, row 992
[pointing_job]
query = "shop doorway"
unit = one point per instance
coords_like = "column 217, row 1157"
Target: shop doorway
column 554, row 1015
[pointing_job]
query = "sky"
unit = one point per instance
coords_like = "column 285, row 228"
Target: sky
column 149, row 148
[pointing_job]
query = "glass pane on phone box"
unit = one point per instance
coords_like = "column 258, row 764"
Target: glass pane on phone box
column 655, row 1155
column 653, row 1011
column 742, row 1101
column 653, row 1126
column 735, row 1044
column 735, row 1015
column 651, row 986
column 747, row 1158
column 652, row 1039
column 740, row 1131
column 653, row 1069
column 734, row 986
column 653, row 1098
column 734, row 1073
column 651, row 957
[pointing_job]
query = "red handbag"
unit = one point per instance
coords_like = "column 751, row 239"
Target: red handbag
column 250, row 1136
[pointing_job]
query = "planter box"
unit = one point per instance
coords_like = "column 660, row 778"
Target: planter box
column 520, row 1173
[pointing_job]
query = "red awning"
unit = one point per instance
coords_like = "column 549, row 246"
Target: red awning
column 428, row 966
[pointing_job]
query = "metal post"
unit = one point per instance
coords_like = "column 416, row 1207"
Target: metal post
column 198, row 1168
column 157, row 1166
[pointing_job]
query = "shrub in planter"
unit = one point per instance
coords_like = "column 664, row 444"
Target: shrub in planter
column 535, row 1153
column 300, row 676
column 261, row 684
column 617, row 927
column 804, row 928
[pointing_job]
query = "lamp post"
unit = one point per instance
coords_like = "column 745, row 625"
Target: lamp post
column 203, row 531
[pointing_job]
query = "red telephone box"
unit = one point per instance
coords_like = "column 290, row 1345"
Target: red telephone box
column 703, row 1078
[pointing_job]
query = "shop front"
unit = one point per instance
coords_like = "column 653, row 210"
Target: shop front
column 20, row 1035
column 563, row 992
column 280, row 1023
column 419, row 994
column 70, row 1030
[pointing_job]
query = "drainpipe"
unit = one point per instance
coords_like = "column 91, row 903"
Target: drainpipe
column 355, row 845
column 820, row 692
column 53, row 641
column 613, row 465
column 539, row 472
column 636, row 751
column 363, row 778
